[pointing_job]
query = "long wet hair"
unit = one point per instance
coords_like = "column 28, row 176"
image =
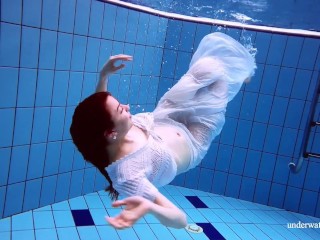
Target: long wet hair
column 89, row 123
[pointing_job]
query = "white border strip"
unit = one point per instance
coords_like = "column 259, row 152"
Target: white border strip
column 296, row 32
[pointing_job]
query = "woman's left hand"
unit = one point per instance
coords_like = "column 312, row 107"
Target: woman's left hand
column 135, row 208
column 109, row 67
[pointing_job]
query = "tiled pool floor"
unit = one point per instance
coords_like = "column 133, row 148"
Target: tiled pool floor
column 220, row 217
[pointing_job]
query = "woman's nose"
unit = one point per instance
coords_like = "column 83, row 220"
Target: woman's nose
column 126, row 107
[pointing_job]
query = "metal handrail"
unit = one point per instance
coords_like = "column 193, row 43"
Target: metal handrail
column 296, row 167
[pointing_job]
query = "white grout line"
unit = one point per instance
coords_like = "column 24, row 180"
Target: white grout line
column 296, row 32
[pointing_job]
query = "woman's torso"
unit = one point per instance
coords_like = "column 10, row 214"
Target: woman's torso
column 171, row 137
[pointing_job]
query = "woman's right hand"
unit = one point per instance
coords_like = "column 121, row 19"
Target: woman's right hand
column 109, row 67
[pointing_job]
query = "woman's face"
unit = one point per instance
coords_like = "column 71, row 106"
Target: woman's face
column 120, row 114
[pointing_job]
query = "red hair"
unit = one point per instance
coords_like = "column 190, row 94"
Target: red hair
column 89, row 122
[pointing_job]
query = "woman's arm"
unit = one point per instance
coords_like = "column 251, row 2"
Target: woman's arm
column 109, row 68
column 136, row 207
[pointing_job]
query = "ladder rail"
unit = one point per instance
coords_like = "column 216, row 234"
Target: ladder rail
column 296, row 167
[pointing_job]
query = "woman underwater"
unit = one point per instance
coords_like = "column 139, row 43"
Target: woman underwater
column 139, row 153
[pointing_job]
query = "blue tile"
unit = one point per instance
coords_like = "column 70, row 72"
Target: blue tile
column 48, row 45
column 5, row 154
column 120, row 25
column 270, row 231
column 67, row 233
column 43, row 220
column 262, row 43
column 272, row 139
column 262, row 192
column 46, row 234
column 173, row 34
column 23, row 221
column 44, row 88
column 88, row 180
column 92, row 53
column 292, row 199
column 18, row 164
column 294, row 113
column 67, row 16
column 78, row 203
column 26, row 234
column 196, row 202
column 109, row 21
column 228, row 132
column 31, row 14
column 243, row 133
column 210, row 231
column 280, row 173
column 308, row 54
column 285, row 82
column 27, row 87
column 301, row 84
column 247, row 188
column 40, row 125
column 161, row 231
column 63, row 219
column 56, row 123
column 234, row 107
column 308, row 202
column 67, row 123
column 47, row 193
column 191, row 177
column 52, row 158
column 60, row 88
column 233, row 185
column 82, row 217
column 132, row 26
column 223, row 158
column 10, row 45
column 182, row 65
column 78, row 53
column 276, row 49
column 187, row 36
column 237, row 160
column 67, row 152
column 11, row 11
column 312, row 179
column 278, row 112
column 23, row 126
column 64, row 45
column 152, row 35
column 219, row 182
column 82, row 17
column 252, row 163
column 267, row 165
column 248, row 107
column 32, row 194
column 14, row 199
column 205, row 179
column 5, row 224
column 96, row 19
column 169, row 63
column 256, row 81
column 292, row 52
column 107, row 232
column 142, row 31
column 9, row 84
column 50, row 14
column 270, row 79
column 161, row 33
column 30, row 42
column 288, row 141
column 127, row 234
column 89, row 84
column 6, row 127
column 143, row 231
column 226, row 231
column 75, row 87
column 63, row 185
column 257, row 137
